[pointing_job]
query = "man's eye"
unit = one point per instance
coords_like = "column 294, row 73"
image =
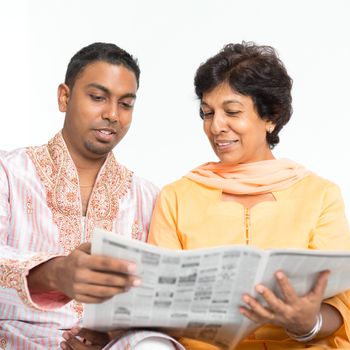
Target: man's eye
column 126, row 105
column 97, row 98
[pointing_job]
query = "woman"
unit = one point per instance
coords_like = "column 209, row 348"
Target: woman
column 251, row 198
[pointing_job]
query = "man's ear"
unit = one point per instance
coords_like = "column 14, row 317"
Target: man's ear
column 63, row 94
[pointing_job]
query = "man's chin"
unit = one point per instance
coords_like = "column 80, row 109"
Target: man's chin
column 99, row 150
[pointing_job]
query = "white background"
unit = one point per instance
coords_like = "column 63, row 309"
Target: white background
column 170, row 39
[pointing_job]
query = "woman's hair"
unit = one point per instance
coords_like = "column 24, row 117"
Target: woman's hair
column 254, row 71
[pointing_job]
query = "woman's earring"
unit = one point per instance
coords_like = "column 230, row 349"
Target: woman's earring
column 271, row 129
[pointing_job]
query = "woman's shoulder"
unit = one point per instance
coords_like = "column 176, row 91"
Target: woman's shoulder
column 316, row 182
column 315, row 186
column 186, row 187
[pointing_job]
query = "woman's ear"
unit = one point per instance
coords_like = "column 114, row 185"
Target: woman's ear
column 270, row 127
column 63, row 94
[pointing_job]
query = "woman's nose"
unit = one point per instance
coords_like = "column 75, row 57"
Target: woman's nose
column 218, row 124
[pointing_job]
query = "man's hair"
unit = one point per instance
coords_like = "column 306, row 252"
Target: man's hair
column 254, row 71
column 104, row 52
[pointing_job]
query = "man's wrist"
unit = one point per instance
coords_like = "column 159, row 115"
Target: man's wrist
column 54, row 271
column 43, row 277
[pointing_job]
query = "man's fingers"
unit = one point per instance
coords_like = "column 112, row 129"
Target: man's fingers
column 98, row 338
column 96, row 294
column 106, row 279
column 72, row 343
column 85, row 247
column 105, row 263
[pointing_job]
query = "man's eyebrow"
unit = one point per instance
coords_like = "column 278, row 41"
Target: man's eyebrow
column 129, row 95
column 100, row 87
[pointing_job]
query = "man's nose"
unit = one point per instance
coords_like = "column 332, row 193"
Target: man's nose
column 111, row 112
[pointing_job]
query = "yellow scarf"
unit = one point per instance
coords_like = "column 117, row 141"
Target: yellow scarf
column 250, row 178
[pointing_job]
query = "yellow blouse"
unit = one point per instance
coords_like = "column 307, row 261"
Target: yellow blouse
column 309, row 214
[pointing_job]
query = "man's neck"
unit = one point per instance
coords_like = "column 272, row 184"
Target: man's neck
column 88, row 169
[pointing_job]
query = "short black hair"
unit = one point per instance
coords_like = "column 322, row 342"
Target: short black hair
column 254, row 71
column 105, row 52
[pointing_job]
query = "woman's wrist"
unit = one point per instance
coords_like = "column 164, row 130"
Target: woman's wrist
column 309, row 335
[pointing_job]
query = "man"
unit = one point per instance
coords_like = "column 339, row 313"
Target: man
column 52, row 197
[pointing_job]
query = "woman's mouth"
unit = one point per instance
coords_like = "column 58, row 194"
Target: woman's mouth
column 223, row 145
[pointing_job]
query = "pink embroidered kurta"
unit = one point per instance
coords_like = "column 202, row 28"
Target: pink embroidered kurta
column 40, row 218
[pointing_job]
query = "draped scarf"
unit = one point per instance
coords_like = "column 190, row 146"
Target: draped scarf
column 250, row 178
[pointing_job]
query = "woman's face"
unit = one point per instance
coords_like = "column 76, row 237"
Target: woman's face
column 233, row 126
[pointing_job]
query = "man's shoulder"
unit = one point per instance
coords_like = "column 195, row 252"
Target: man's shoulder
column 143, row 184
column 13, row 157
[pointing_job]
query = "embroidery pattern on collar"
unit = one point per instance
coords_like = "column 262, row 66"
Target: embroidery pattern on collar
column 113, row 183
column 59, row 176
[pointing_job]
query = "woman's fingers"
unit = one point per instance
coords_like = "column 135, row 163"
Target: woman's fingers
column 287, row 290
column 321, row 284
column 291, row 311
column 275, row 304
column 256, row 312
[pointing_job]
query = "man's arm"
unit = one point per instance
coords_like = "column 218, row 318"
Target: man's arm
column 45, row 280
column 83, row 277
column 14, row 263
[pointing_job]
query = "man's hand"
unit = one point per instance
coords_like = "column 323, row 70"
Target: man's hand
column 84, row 277
column 84, row 339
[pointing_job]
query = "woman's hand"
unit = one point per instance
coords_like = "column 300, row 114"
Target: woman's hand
column 84, row 339
column 296, row 314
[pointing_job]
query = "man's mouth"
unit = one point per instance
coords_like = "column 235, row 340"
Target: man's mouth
column 105, row 135
column 107, row 131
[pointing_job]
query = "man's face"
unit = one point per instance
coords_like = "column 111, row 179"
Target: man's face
column 98, row 109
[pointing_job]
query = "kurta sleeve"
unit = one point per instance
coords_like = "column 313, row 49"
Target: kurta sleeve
column 14, row 263
column 163, row 230
column 332, row 233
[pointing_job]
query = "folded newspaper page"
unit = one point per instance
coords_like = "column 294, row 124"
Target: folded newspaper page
column 197, row 293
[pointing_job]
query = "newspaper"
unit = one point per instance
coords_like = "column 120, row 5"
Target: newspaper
column 197, row 293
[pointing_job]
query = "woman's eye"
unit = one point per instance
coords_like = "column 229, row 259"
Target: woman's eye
column 232, row 113
column 207, row 115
